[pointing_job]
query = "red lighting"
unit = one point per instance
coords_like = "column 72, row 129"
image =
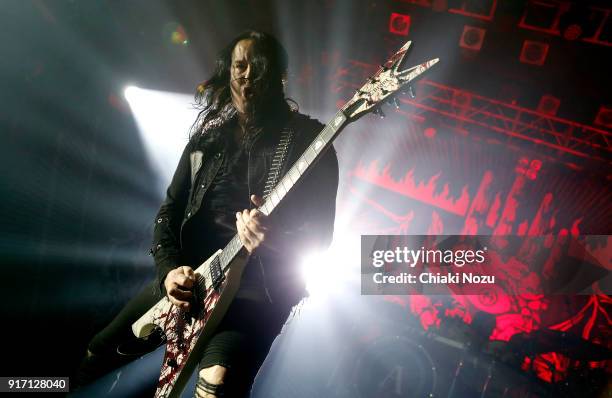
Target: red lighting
column 430, row 132
column 534, row 52
column 549, row 105
column 572, row 32
column 399, row 24
column 461, row 102
column 461, row 99
column 521, row 168
column 531, row 174
column 577, row 22
column 604, row 116
column 472, row 38
column 527, row 168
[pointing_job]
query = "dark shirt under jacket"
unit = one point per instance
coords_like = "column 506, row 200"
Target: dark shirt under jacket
column 215, row 224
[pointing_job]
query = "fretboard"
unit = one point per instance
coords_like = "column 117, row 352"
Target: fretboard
column 300, row 168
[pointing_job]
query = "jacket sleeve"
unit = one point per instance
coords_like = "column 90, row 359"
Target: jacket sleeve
column 166, row 232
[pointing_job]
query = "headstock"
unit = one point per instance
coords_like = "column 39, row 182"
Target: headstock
column 384, row 83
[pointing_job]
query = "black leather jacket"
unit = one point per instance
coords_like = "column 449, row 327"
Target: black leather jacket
column 306, row 213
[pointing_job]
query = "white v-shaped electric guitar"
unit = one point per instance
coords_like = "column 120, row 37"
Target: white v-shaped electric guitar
column 218, row 278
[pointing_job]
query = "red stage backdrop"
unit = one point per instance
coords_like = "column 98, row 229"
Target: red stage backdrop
column 417, row 179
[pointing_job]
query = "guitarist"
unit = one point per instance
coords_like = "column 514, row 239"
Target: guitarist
column 215, row 192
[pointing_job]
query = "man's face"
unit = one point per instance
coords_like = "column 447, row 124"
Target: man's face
column 243, row 91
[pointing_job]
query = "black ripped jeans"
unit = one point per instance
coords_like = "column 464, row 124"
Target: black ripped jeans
column 241, row 342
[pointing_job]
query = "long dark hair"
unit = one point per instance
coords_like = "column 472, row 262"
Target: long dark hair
column 213, row 96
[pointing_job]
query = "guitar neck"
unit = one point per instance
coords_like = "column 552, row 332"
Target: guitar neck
column 300, row 168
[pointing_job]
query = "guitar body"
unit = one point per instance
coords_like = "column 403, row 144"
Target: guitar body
column 188, row 333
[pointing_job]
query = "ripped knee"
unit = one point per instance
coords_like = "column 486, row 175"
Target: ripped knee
column 211, row 382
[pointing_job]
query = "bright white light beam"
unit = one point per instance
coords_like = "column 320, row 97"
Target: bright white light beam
column 332, row 271
column 163, row 120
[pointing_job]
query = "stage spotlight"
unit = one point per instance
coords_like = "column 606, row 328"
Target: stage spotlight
column 604, row 116
column 576, row 23
column 130, row 92
column 529, row 168
column 430, row 132
column 399, row 24
column 534, row 52
column 549, row 105
column 164, row 120
column 472, row 38
column 331, row 271
column 318, row 273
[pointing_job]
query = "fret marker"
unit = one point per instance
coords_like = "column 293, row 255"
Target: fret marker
column 318, row 145
column 301, row 165
column 338, row 121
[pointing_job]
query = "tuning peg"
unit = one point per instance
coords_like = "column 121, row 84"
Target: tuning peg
column 411, row 92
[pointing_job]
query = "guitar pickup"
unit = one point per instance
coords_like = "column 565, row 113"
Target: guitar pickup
column 216, row 273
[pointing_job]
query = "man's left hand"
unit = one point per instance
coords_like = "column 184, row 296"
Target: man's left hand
column 252, row 225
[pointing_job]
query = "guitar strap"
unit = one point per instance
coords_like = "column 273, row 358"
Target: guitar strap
column 279, row 160
column 277, row 169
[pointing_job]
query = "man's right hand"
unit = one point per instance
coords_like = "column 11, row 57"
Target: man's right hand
column 178, row 284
